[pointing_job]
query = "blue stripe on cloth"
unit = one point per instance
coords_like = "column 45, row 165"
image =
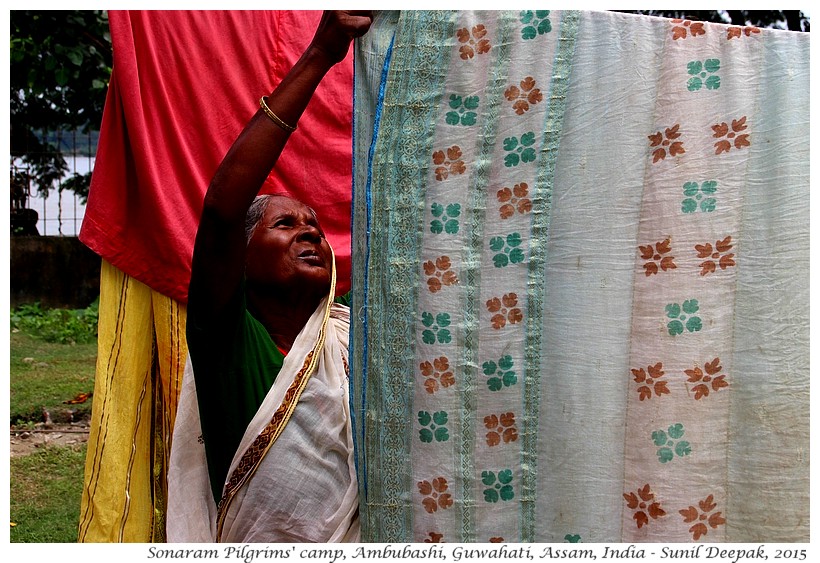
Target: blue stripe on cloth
column 362, row 472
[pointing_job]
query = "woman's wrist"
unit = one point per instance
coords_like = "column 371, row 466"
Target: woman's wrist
column 322, row 57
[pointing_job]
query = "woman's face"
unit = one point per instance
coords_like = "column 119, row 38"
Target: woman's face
column 288, row 249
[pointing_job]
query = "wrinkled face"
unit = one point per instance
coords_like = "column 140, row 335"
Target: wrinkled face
column 288, row 250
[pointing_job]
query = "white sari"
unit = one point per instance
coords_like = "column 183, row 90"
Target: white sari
column 293, row 477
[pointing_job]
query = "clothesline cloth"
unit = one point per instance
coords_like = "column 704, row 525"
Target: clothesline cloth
column 580, row 279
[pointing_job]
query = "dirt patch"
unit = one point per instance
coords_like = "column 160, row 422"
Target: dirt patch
column 27, row 440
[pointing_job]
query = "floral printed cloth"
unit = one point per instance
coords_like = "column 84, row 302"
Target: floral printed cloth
column 580, row 279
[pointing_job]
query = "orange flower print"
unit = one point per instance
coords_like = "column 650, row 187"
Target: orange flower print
column 733, row 137
column 440, row 273
column 665, row 141
column 437, row 374
column 644, row 507
column 655, row 259
column 649, row 380
column 719, row 256
column 448, row 162
column 702, row 515
column 501, row 428
column 524, row 97
column 472, row 44
column 512, row 199
column 679, row 30
column 706, row 377
column 505, row 309
column 736, row 31
column 434, row 537
column 435, row 495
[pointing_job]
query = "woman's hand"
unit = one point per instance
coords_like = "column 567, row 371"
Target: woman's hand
column 337, row 30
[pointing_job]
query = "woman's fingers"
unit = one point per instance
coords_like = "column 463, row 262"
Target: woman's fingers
column 338, row 28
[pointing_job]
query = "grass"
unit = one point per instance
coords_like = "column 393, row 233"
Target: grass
column 45, row 374
column 46, row 486
column 44, row 501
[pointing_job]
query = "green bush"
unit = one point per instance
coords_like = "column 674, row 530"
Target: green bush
column 62, row 326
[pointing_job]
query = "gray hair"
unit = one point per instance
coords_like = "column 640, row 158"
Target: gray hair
column 254, row 215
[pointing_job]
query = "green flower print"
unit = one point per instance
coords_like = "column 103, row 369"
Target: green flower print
column 500, row 374
column 507, row 250
column 520, row 150
column 500, row 485
column 435, row 328
column 462, row 110
column 699, row 197
column 446, row 218
column 670, row 444
column 536, row 22
column 433, row 427
column 678, row 314
column 702, row 74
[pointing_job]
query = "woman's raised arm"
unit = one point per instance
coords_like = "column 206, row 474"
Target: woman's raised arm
column 219, row 248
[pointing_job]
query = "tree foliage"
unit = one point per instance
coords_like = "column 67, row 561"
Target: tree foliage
column 59, row 73
column 793, row 20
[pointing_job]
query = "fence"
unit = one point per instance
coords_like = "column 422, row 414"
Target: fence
column 60, row 211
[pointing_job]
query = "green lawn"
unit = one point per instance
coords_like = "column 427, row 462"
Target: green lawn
column 44, row 501
column 46, row 485
column 44, row 374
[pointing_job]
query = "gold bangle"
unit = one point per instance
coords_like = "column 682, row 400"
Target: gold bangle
column 275, row 118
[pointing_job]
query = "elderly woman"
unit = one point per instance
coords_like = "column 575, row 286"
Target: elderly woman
column 263, row 449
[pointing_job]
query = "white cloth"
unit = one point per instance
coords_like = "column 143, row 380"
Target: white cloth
column 581, row 279
column 303, row 486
